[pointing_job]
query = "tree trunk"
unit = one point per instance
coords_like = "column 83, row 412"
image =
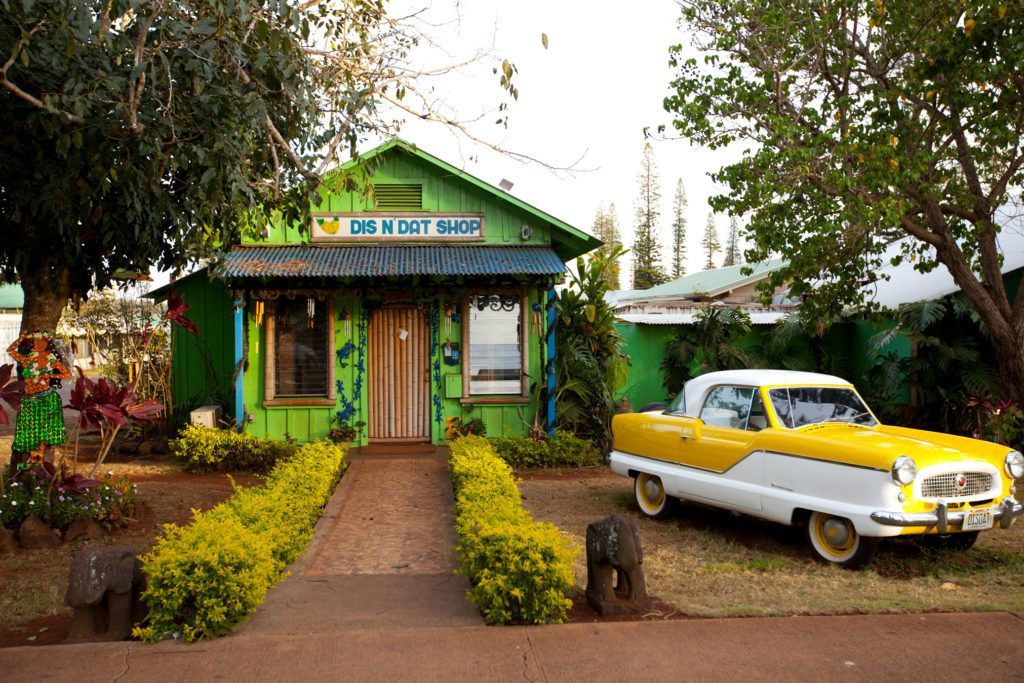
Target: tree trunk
column 45, row 298
column 1010, row 365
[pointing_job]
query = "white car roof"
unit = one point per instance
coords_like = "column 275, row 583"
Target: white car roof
column 698, row 387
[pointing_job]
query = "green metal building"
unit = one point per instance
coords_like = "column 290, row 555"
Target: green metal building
column 430, row 298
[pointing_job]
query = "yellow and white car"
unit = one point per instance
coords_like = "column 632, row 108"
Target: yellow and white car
column 803, row 448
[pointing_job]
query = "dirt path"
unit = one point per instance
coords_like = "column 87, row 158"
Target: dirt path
column 382, row 557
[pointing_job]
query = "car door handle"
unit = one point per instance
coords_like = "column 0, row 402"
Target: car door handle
column 684, row 436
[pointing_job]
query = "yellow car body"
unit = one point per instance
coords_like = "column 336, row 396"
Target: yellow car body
column 838, row 468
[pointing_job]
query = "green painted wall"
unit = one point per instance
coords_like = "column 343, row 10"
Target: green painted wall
column 645, row 345
column 441, row 193
column 307, row 423
column 203, row 365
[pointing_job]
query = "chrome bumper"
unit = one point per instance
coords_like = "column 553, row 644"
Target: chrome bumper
column 945, row 520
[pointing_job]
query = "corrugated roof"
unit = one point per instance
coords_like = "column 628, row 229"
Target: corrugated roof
column 389, row 260
column 756, row 318
column 708, row 282
column 12, row 296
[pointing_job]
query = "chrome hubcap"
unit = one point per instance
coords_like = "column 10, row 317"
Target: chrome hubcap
column 651, row 490
column 835, row 532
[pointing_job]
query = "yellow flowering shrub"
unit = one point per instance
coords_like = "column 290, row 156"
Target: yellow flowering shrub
column 205, row 577
column 520, row 570
column 201, row 449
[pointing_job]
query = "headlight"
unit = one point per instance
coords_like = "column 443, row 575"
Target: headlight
column 1015, row 465
column 904, row 470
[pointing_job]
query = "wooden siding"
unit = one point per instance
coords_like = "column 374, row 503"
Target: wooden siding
column 202, row 371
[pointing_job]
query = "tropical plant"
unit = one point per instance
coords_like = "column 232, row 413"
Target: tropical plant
column 592, row 362
column 951, row 364
column 709, row 344
column 10, row 391
column 877, row 132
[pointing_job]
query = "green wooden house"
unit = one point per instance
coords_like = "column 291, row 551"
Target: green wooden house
column 395, row 311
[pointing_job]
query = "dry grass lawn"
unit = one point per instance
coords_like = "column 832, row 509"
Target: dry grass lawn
column 711, row 563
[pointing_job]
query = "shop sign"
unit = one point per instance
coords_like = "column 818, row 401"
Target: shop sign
column 398, row 227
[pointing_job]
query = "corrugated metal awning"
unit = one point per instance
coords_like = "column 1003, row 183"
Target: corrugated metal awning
column 363, row 260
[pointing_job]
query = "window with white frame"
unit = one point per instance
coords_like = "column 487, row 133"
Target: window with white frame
column 494, row 364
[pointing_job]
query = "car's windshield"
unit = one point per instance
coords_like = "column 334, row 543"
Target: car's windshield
column 801, row 406
column 678, row 405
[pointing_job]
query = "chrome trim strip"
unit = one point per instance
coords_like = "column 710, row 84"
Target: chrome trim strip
column 944, row 520
column 787, row 455
column 829, row 462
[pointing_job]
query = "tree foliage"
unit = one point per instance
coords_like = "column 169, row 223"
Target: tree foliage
column 867, row 121
column 158, row 132
column 592, row 362
column 679, row 204
column 710, row 242
column 647, row 268
column 733, row 257
column 709, row 344
column 606, row 229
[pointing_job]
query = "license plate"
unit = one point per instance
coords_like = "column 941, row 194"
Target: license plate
column 975, row 520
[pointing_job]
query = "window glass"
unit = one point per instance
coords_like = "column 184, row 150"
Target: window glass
column 495, row 344
column 800, row 406
column 678, row 405
column 728, row 407
column 300, row 347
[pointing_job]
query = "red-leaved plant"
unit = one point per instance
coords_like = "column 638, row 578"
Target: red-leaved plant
column 107, row 406
column 10, row 391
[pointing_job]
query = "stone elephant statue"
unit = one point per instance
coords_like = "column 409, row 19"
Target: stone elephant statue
column 613, row 548
column 104, row 589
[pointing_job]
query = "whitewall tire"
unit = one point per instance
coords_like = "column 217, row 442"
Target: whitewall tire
column 651, row 497
column 836, row 541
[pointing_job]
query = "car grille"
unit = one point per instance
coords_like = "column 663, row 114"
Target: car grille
column 944, row 485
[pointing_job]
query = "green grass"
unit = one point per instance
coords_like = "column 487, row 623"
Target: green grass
column 708, row 562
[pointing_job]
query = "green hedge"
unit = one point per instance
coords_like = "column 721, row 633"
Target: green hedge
column 520, row 570
column 563, row 449
column 205, row 577
column 202, row 449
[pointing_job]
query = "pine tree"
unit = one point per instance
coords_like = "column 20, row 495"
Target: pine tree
column 732, row 247
column 679, row 231
column 606, row 229
column 710, row 242
column 647, row 269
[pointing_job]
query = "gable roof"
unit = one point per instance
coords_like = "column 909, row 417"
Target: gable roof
column 568, row 241
column 707, row 282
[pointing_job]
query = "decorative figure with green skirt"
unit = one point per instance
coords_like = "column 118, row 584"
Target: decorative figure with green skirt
column 41, row 367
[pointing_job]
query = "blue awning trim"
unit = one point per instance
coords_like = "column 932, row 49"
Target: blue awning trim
column 362, row 260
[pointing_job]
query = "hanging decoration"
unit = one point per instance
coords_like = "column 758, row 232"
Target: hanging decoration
column 310, row 312
column 346, row 320
column 259, row 307
column 435, row 334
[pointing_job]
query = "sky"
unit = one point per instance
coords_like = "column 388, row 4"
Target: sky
column 584, row 102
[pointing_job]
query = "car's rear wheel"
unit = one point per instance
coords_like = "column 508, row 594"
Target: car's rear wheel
column 651, row 496
column 835, row 540
column 964, row 540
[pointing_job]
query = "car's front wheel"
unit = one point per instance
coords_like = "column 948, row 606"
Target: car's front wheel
column 651, row 497
column 835, row 540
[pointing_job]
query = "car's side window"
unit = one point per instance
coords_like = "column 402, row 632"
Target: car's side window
column 731, row 407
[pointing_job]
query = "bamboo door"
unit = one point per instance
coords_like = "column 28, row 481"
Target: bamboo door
column 399, row 376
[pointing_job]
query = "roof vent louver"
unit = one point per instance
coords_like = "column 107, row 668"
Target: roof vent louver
column 399, row 197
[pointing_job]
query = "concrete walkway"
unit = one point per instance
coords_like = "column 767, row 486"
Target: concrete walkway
column 382, row 557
